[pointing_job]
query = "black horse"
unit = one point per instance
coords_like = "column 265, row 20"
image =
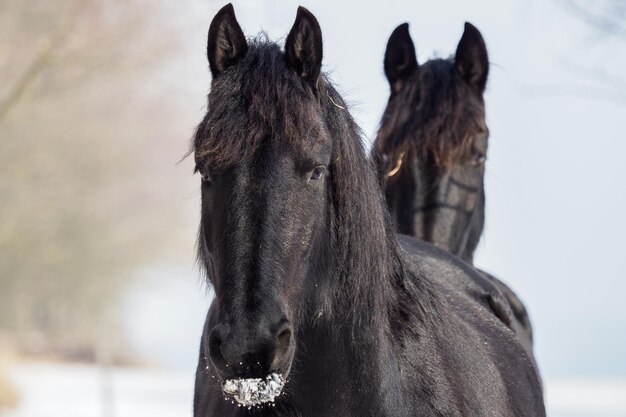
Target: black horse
column 431, row 150
column 310, row 279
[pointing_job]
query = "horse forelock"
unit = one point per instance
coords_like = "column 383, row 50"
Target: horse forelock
column 436, row 113
column 256, row 100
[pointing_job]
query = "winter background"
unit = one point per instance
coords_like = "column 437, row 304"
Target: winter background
column 101, row 306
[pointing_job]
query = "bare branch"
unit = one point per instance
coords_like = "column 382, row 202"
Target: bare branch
column 39, row 64
column 611, row 19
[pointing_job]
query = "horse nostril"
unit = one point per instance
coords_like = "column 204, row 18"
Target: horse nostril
column 215, row 348
column 283, row 339
column 283, row 345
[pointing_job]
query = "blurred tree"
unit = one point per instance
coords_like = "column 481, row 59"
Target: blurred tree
column 8, row 396
column 607, row 20
column 606, row 16
column 84, row 196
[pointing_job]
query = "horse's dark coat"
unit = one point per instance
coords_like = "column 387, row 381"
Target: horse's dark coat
column 435, row 125
column 294, row 236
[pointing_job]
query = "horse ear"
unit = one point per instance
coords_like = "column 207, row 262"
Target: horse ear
column 303, row 47
column 226, row 44
column 471, row 60
column 400, row 59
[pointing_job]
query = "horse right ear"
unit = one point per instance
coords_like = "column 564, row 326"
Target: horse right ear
column 303, row 47
column 227, row 44
column 471, row 60
column 400, row 59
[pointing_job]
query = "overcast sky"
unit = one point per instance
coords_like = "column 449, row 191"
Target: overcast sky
column 557, row 157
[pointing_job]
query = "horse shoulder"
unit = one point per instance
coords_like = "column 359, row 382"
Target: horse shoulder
column 473, row 339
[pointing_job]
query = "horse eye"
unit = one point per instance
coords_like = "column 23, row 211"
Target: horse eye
column 206, row 178
column 318, row 173
column 479, row 159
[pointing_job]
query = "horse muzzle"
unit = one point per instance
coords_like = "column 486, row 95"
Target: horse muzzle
column 237, row 354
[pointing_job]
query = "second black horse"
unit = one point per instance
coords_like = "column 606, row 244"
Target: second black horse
column 431, row 151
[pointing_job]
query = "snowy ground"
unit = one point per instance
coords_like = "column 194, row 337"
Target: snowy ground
column 62, row 390
column 70, row 390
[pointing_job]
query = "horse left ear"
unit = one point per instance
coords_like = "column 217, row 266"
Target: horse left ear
column 303, row 47
column 471, row 60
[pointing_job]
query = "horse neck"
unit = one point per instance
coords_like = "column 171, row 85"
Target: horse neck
column 340, row 362
column 347, row 362
column 344, row 341
column 337, row 371
column 354, row 289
